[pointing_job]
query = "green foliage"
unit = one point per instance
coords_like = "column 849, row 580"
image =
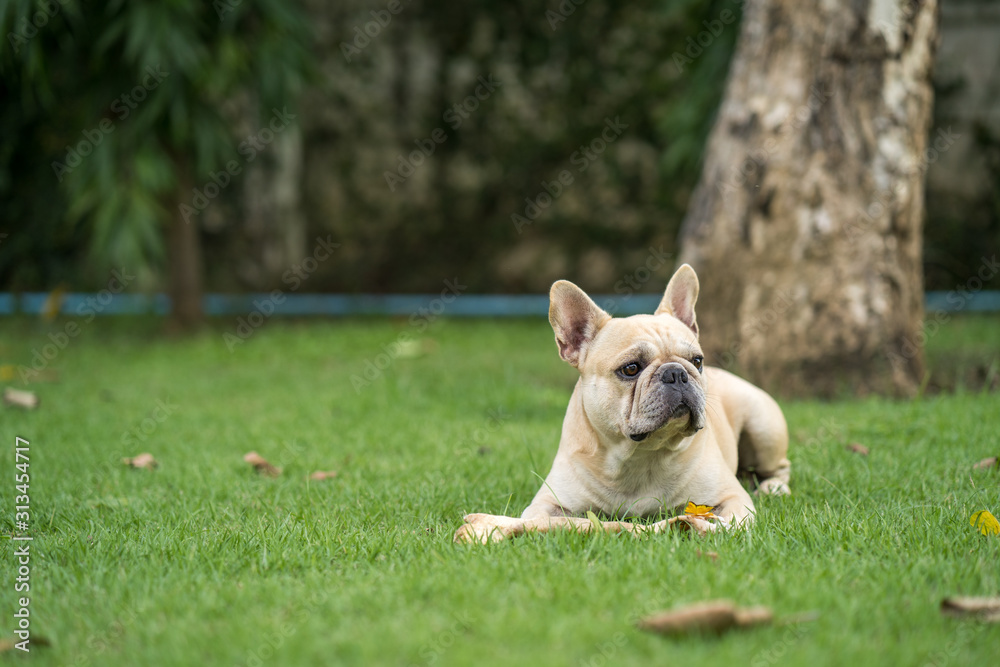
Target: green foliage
column 562, row 77
column 565, row 68
column 124, row 101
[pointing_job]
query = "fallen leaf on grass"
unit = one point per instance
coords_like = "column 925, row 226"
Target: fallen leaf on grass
column 261, row 465
column 144, row 460
column 715, row 616
column 53, row 304
column 710, row 555
column 985, row 609
column 991, row 462
column 21, row 399
column 9, row 644
column 857, row 448
column 411, row 349
column 321, row 475
column 985, row 522
column 9, row 371
column 699, row 510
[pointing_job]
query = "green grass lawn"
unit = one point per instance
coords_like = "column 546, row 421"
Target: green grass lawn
column 203, row 562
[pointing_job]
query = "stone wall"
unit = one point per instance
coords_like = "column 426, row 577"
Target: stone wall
column 434, row 138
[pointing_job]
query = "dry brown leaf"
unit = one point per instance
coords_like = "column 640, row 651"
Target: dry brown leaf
column 144, row 460
column 985, row 609
column 710, row 555
column 35, row 641
column 715, row 616
column 321, row 475
column 858, row 448
column 21, row 399
column 990, row 462
column 261, row 465
column 748, row 617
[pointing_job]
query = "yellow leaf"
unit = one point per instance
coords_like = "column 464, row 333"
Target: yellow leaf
column 594, row 521
column 985, row 522
column 7, row 372
column 698, row 510
column 53, row 303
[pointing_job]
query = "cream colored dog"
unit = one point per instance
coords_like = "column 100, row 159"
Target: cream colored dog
column 648, row 427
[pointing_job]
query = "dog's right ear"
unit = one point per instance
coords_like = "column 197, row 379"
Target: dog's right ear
column 575, row 319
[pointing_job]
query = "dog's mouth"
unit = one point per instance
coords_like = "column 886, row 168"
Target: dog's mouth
column 680, row 412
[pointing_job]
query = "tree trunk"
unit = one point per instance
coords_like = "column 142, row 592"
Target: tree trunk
column 274, row 227
column 184, row 257
column 805, row 227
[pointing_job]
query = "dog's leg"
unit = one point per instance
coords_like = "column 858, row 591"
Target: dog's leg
column 486, row 528
column 776, row 484
column 765, row 435
column 733, row 511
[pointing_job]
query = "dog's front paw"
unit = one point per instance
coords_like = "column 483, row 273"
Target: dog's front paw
column 486, row 528
column 699, row 523
column 773, row 487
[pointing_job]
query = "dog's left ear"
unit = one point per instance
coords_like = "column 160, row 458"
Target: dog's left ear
column 680, row 296
column 575, row 319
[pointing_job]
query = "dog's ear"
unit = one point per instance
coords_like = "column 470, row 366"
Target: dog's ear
column 575, row 320
column 680, row 297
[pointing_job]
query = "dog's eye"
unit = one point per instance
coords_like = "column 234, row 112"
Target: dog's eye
column 698, row 361
column 629, row 370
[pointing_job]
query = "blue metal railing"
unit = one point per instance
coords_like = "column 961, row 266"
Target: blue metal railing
column 467, row 305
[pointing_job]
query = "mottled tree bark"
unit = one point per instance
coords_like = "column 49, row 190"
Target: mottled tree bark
column 805, row 228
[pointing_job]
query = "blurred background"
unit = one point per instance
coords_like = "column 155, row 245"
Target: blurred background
column 209, row 146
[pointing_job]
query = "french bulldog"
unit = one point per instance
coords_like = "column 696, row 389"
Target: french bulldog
column 649, row 427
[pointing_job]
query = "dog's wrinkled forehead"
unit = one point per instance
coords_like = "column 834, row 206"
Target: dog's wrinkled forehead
column 642, row 338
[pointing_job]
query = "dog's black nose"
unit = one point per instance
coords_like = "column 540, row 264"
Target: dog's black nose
column 673, row 373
